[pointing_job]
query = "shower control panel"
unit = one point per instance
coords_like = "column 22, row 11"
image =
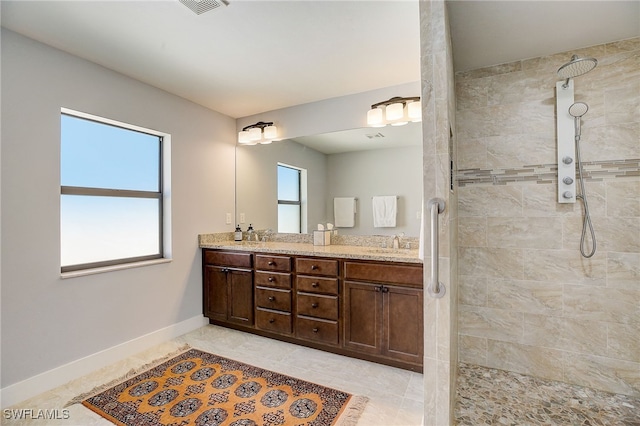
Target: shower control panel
column 565, row 132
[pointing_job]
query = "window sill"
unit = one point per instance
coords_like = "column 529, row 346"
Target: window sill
column 84, row 272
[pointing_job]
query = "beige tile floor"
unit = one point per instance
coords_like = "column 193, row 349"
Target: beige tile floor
column 395, row 395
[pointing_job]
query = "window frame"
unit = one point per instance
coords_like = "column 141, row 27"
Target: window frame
column 160, row 195
column 289, row 202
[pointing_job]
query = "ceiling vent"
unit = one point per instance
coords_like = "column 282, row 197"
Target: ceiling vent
column 201, row 6
column 374, row 135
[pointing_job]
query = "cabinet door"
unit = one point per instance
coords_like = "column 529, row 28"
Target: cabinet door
column 403, row 326
column 240, row 296
column 363, row 317
column 215, row 292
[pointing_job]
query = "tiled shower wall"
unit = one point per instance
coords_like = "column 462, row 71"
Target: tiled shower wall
column 528, row 301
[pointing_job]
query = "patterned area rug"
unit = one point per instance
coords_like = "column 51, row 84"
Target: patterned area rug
column 203, row 389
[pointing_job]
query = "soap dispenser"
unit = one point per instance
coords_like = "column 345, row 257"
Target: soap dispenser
column 238, row 234
column 250, row 232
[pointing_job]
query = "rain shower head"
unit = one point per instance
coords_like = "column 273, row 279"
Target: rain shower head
column 577, row 67
column 578, row 109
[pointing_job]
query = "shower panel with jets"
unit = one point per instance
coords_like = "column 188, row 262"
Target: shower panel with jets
column 569, row 115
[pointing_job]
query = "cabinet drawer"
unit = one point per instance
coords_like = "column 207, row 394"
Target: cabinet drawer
column 278, row 322
column 225, row 258
column 273, row 279
column 383, row 273
column 317, row 330
column 273, row 263
column 317, row 305
column 310, row 266
column 317, row 284
column 272, row 298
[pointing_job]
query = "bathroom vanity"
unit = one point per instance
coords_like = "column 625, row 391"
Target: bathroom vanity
column 363, row 302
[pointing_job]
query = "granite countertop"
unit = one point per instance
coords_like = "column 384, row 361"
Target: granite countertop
column 308, row 249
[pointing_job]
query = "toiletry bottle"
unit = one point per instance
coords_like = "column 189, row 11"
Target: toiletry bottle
column 250, row 232
column 238, row 235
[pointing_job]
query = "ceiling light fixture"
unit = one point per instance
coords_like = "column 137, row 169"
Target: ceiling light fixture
column 201, row 6
column 396, row 111
column 261, row 132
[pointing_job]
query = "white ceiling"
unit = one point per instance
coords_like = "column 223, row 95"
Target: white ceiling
column 256, row 56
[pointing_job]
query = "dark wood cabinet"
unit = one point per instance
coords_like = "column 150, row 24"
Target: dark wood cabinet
column 228, row 288
column 382, row 314
column 361, row 308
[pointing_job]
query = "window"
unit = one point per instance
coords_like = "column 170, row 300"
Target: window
column 289, row 200
column 111, row 194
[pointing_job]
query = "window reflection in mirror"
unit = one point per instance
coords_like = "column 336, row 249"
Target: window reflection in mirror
column 358, row 163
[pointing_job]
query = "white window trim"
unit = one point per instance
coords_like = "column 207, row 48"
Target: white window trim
column 166, row 198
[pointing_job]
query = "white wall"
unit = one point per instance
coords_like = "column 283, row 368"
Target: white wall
column 364, row 174
column 47, row 321
column 257, row 184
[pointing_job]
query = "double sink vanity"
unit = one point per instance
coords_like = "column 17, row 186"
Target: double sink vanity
column 357, row 300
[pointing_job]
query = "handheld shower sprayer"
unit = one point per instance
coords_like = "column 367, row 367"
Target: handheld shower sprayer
column 577, row 110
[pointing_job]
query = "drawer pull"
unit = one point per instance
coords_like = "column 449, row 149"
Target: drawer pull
column 314, row 267
column 271, row 279
column 271, row 320
column 315, row 285
column 315, row 329
column 271, row 263
column 314, row 305
column 271, row 298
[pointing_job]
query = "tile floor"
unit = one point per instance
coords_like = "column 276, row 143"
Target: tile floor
column 485, row 396
column 395, row 395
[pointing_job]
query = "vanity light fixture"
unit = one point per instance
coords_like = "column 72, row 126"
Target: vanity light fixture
column 261, row 132
column 396, row 111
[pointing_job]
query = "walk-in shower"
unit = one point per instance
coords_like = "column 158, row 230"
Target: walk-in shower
column 569, row 116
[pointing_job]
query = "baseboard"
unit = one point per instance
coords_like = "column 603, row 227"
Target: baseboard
column 51, row 379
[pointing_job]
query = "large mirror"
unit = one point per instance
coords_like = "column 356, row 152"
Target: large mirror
column 307, row 173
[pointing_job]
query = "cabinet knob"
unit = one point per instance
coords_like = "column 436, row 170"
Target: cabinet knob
column 314, row 267
column 315, row 329
column 315, row 285
column 385, row 289
column 271, row 298
column 314, row 305
column 271, row 263
column 271, row 279
column 379, row 288
column 271, row 320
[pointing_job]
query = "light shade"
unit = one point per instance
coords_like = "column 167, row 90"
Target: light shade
column 243, row 137
column 414, row 111
column 255, row 134
column 395, row 111
column 270, row 133
column 374, row 117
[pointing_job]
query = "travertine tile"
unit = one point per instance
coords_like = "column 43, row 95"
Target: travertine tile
column 525, row 296
column 624, row 341
column 540, row 201
column 491, row 323
column 496, row 201
column 626, row 144
column 525, row 359
column 492, row 262
column 472, row 232
column 543, row 233
column 623, row 270
column 507, row 150
column 565, row 334
column 473, row 290
column 472, row 153
column 473, row 349
column 602, row 373
column 623, row 198
column 616, row 305
column 621, row 234
column 564, row 266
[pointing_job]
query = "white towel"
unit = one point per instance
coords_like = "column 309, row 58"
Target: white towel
column 344, row 210
column 384, row 211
